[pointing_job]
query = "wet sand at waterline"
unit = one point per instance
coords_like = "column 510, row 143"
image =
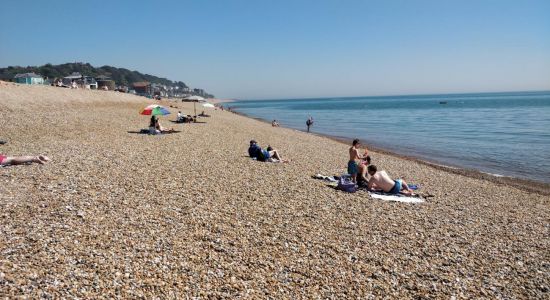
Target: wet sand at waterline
column 121, row 214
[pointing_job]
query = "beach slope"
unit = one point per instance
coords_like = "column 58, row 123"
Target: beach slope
column 121, row 214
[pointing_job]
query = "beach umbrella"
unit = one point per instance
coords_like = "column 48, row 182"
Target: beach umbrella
column 155, row 110
column 209, row 105
column 194, row 99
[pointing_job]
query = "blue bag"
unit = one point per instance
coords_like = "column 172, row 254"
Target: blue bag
column 346, row 184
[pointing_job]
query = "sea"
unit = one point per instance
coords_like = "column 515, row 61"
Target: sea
column 503, row 134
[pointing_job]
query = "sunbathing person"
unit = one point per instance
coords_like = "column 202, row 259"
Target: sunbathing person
column 162, row 129
column 153, row 125
column 269, row 154
column 19, row 160
column 272, row 154
column 380, row 180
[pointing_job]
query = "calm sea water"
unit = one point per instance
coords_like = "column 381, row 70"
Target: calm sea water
column 504, row 134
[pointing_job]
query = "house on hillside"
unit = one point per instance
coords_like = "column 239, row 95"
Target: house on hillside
column 28, row 78
column 199, row 92
column 78, row 80
column 142, row 88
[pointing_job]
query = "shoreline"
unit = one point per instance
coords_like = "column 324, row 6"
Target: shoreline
column 527, row 185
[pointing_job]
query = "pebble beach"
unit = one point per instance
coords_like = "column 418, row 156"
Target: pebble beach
column 118, row 214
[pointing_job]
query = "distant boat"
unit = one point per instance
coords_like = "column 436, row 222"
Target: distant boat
column 442, row 102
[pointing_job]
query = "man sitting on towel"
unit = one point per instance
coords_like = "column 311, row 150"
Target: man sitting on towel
column 382, row 181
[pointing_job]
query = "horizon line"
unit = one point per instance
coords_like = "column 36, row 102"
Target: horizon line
column 390, row 95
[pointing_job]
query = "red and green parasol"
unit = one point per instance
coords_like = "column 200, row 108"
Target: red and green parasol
column 155, row 110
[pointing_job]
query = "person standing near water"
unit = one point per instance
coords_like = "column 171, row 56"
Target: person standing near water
column 309, row 122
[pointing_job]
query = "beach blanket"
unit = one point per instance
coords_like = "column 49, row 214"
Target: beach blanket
column 146, row 131
column 398, row 198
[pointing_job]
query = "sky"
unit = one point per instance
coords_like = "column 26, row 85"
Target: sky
column 262, row 49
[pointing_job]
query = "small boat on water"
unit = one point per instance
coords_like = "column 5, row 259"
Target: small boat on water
column 442, row 102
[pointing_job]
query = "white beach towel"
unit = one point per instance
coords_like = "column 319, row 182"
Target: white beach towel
column 399, row 198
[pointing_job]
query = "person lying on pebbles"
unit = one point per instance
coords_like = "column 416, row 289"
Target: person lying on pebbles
column 269, row 154
column 19, row 160
column 380, row 180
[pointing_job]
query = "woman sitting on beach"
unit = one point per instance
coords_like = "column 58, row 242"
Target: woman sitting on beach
column 156, row 128
column 19, row 160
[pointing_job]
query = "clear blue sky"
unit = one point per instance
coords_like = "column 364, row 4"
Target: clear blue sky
column 279, row 49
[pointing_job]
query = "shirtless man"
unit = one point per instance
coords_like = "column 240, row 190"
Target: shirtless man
column 353, row 167
column 381, row 181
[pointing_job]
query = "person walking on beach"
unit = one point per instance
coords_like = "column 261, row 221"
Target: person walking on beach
column 380, row 180
column 353, row 167
column 309, row 123
column 19, row 160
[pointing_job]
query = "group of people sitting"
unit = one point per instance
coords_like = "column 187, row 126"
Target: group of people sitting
column 181, row 118
column 156, row 128
column 359, row 165
column 269, row 154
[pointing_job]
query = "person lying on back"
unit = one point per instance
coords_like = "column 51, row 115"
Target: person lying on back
column 380, row 180
column 19, row 160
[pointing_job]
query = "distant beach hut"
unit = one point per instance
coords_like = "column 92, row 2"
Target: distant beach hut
column 142, row 88
column 28, row 78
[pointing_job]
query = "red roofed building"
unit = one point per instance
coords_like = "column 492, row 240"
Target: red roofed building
column 142, row 88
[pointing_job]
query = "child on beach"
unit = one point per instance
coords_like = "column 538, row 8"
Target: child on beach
column 19, row 160
column 353, row 167
column 365, row 162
